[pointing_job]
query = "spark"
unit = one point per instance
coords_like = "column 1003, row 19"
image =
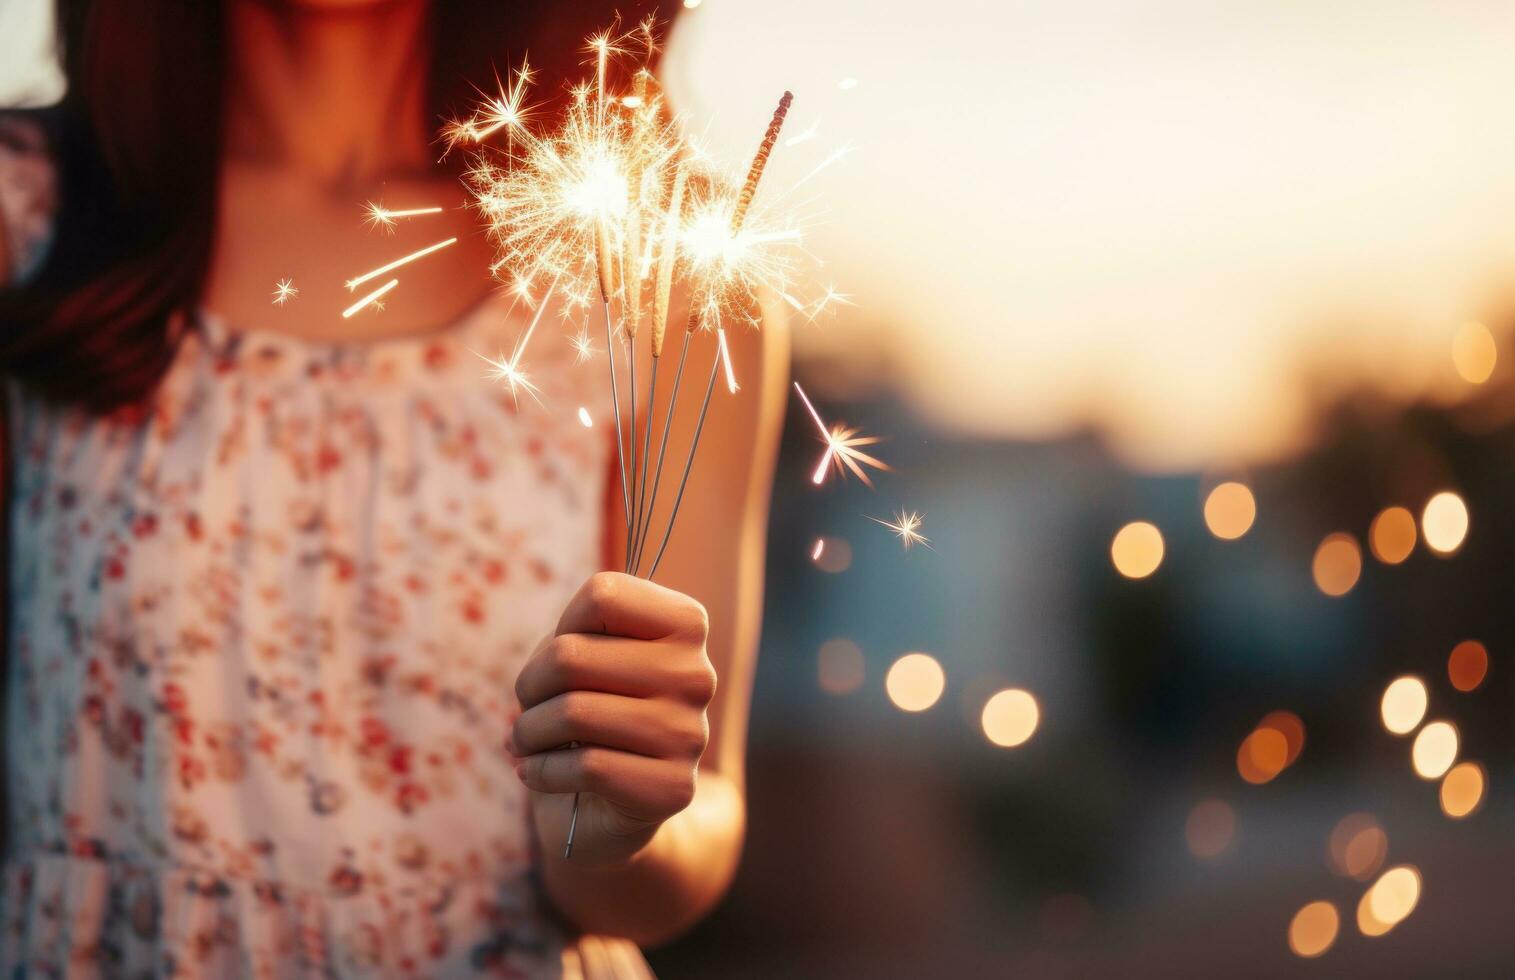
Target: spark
column 372, row 297
column 906, row 527
column 731, row 384
column 507, row 370
column 805, row 136
column 847, row 84
column 284, row 291
column 820, row 546
column 583, row 347
column 380, row 216
column 842, row 447
column 403, row 260
column 584, row 417
column 834, row 156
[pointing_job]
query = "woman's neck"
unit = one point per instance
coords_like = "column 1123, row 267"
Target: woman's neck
column 337, row 93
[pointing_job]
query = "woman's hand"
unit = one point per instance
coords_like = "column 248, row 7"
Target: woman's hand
column 626, row 677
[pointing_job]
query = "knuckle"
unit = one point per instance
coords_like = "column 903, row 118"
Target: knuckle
column 699, row 681
column 681, row 793
column 565, row 654
column 602, row 589
column 594, row 767
column 575, row 710
column 697, row 617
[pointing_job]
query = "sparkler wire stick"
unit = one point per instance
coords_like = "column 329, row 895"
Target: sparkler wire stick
column 657, row 478
column 644, row 516
column 715, row 364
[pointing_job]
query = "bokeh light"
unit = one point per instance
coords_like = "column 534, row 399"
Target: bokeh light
column 1404, row 704
column 1444, row 522
column 1467, row 665
column 1210, row 828
column 1474, row 353
column 1263, row 755
column 1393, row 896
column 840, row 666
column 1337, row 564
column 1357, row 846
column 1289, row 725
column 1313, row 929
column 1137, row 549
column 915, row 682
column 1230, row 510
column 1462, row 789
column 832, row 554
column 1010, row 717
column 1391, row 536
column 1435, row 749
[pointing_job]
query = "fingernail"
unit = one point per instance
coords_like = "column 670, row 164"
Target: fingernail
column 520, row 768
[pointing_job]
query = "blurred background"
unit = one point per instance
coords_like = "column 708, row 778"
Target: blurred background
column 1187, row 330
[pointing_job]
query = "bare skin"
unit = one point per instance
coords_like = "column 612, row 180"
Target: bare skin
column 325, row 110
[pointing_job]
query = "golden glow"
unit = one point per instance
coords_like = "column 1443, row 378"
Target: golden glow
column 1392, row 535
column 1230, row 510
column 1462, row 789
column 841, row 447
column 284, row 291
column 1137, row 549
column 371, row 298
column 1467, row 665
column 1474, row 353
column 1357, row 846
column 1404, row 704
column 1337, row 564
column 1313, row 929
column 1263, row 755
column 1210, row 828
column 915, row 682
column 906, row 527
column 1393, row 897
column 1435, row 749
column 1010, row 717
column 1444, row 522
column 840, row 666
column 832, row 554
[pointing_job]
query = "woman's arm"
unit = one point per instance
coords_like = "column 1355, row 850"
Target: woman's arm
column 650, row 882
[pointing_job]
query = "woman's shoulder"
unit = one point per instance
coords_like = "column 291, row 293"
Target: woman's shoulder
column 28, row 196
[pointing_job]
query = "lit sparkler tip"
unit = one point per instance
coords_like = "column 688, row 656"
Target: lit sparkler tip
column 284, row 291
column 906, row 527
column 371, row 298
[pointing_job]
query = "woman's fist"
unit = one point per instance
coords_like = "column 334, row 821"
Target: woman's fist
column 626, row 679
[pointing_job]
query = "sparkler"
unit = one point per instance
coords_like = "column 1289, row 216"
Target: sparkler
column 841, row 447
column 609, row 201
column 284, row 291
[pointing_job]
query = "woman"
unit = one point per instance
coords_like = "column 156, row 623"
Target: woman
column 279, row 698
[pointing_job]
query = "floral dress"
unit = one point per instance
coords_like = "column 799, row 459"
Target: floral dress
column 262, row 644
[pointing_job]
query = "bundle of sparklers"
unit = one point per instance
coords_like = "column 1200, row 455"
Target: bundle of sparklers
column 614, row 206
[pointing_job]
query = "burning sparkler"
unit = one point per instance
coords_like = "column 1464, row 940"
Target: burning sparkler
column 611, row 202
column 842, row 447
column 284, row 291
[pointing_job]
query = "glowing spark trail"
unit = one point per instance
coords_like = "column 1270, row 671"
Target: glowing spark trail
column 584, row 417
column 404, row 260
column 380, row 216
column 505, row 369
column 906, row 527
column 841, row 447
column 731, row 384
column 372, row 297
column 820, row 546
column 284, row 291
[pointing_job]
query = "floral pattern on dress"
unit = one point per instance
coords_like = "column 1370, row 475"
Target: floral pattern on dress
column 263, row 641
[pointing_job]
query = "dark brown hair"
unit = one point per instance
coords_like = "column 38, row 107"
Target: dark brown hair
column 137, row 140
